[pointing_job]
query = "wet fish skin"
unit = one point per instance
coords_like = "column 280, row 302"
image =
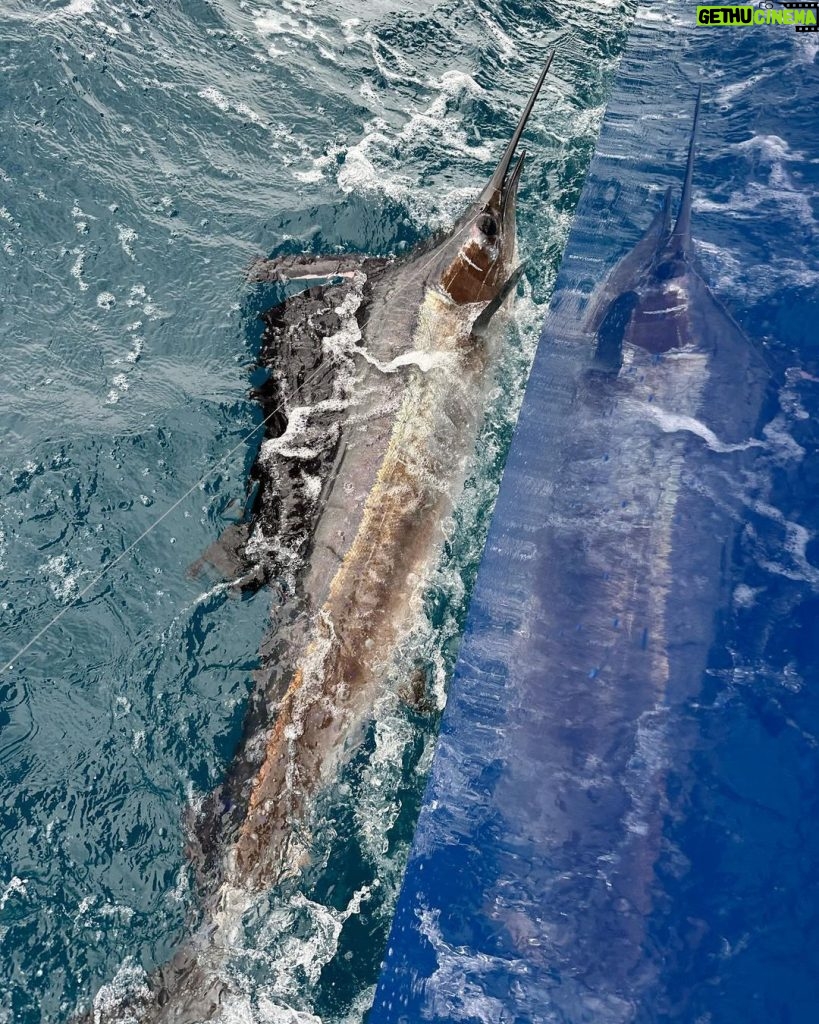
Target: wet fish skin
column 374, row 531
column 367, row 605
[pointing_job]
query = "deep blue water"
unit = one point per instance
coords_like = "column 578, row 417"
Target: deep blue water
column 150, row 151
column 741, row 839
column 729, row 930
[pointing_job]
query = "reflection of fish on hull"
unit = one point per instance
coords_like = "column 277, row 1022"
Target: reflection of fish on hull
column 366, row 497
column 649, row 398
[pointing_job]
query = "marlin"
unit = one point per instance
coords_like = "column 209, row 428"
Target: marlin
column 650, row 396
column 377, row 373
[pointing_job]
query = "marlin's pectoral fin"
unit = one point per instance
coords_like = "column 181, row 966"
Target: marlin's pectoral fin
column 482, row 322
column 302, row 267
column 608, row 356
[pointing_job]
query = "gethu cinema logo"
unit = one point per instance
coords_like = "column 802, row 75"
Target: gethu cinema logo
column 803, row 16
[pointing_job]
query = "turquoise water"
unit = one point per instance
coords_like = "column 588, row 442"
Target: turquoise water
column 151, row 151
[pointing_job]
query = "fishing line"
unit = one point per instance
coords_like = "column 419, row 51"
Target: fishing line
column 205, row 476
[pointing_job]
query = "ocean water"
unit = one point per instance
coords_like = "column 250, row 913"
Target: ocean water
column 151, row 150
column 520, row 895
column 738, row 923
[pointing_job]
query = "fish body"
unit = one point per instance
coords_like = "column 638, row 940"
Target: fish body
column 375, row 593
column 397, row 466
column 350, row 510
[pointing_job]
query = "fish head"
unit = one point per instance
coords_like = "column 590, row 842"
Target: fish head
column 670, row 275
column 478, row 256
column 487, row 245
column 646, row 301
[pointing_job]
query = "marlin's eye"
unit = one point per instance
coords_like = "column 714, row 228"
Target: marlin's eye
column 488, row 226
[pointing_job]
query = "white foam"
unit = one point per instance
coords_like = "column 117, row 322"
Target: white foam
column 296, row 939
column 792, row 681
column 348, row 29
column 312, row 486
column 724, row 268
column 129, row 984
column 320, row 164
column 423, row 361
column 797, row 538
column 221, row 102
column 275, row 28
column 133, row 355
column 291, row 444
column 455, row 986
column 506, row 47
column 374, row 164
column 77, row 269
column 771, row 154
column 63, row 578
column 382, row 54
column 377, row 806
column 277, row 23
column 127, row 236
column 241, row 1010
column 672, row 423
column 74, row 9
column 645, row 768
column 248, row 112
column 7, row 217
column 138, row 296
column 16, row 886
column 780, row 439
column 745, row 596
column 771, row 148
column 728, row 93
column 218, row 99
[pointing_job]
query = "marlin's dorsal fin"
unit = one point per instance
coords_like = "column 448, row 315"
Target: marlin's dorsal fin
column 681, row 235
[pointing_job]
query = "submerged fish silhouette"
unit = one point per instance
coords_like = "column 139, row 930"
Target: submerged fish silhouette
column 656, row 301
column 532, row 888
column 401, row 347
column 647, row 399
